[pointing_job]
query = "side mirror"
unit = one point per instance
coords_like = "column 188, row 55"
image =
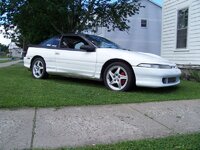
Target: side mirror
column 88, row 48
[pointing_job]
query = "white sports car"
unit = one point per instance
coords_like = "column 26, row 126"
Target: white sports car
column 94, row 57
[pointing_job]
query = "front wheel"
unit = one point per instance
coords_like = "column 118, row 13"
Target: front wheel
column 118, row 77
column 39, row 69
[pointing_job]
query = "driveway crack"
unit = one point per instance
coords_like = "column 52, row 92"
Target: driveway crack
column 160, row 123
column 33, row 128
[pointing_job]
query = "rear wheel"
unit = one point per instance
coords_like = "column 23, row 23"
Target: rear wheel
column 118, row 77
column 39, row 69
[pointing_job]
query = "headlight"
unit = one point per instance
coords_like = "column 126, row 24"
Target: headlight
column 158, row 66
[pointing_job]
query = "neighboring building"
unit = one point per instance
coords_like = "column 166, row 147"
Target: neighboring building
column 181, row 31
column 14, row 50
column 144, row 34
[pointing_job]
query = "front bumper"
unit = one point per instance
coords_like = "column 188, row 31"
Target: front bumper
column 155, row 78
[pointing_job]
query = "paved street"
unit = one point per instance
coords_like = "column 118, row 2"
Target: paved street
column 79, row 126
column 5, row 58
column 2, row 65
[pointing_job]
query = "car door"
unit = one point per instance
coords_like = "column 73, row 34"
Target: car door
column 47, row 50
column 72, row 60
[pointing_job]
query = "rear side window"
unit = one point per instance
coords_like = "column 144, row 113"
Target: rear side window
column 53, row 42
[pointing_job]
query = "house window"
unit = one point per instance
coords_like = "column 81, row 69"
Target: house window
column 143, row 23
column 182, row 28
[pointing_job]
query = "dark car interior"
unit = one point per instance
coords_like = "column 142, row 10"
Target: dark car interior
column 72, row 42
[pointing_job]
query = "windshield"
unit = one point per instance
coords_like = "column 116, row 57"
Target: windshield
column 102, row 42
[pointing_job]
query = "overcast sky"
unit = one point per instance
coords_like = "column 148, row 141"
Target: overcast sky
column 2, row 39
column 7, row 41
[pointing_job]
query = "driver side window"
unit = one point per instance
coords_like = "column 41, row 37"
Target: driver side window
column 78, row 45
column 73, row 42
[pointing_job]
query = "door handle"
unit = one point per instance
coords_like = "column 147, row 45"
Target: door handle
column 57, row 53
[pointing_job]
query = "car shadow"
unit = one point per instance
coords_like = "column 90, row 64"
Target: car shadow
column 85, row 82
column 100, row 84
column 163, row 90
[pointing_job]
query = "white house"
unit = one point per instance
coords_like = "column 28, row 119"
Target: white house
column 181, row 31
column 14, row 50
column 144, row 34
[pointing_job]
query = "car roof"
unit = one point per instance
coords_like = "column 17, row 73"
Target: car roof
column 73, row 34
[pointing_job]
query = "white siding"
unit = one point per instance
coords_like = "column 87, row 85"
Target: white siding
column 190, row 55
column 138, row 38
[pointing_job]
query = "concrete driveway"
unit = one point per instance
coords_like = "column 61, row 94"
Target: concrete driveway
column 80, row 126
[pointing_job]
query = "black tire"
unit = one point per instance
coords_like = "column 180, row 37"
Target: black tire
column 110, row 76
column 38, row 68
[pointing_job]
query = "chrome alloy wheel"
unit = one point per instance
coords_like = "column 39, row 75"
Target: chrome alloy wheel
column 38, row 69
column 117, row 78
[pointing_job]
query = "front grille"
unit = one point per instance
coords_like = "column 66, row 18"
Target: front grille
column 169, row 80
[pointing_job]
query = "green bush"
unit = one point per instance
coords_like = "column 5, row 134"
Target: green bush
column 195, row 75
column 190, row 73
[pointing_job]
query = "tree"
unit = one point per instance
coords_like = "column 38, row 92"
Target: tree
column 3, row 48
column 34, row 20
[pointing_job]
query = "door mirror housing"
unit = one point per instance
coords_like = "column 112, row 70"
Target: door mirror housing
column 88, row 48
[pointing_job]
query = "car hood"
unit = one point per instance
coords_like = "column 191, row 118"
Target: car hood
column 140, row 57
column 151, row 58
column 135, row 58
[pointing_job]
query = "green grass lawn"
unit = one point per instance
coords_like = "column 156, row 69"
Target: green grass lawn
column 3, row 56
column 19, row 89
column 180, row 142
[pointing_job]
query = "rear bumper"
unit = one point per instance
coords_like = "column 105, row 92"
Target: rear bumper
column 155, row 78
column 27, row 62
